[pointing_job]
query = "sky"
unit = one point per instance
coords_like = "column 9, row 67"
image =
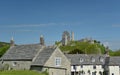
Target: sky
column 26, row 20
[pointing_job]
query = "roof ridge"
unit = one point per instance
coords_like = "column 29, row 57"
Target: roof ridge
column 38, row 53
column 28, row 44
column 43, row 56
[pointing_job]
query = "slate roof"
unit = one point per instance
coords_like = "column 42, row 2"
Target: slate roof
column 22, row 52
column 115, row 60
column 43, row 56
column 86, row 59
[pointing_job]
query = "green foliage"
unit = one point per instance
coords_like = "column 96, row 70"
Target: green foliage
column 76, row 51
column 25, row 72
column 114, row 53
column 83, row 47
column 57, row 43
column 3, row 44
column 111, row 53
column 117, row 53
column 45, row 72
column 4, row 49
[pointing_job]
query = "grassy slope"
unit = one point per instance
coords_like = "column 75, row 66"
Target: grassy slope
column 21, row 73
column 83, row 47
column 3, row 47
column 86, row 48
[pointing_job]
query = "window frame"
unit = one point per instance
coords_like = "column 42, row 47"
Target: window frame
column 14, row 63
column 101, row 59
column 57, row 61
column 94, row 66
column 81, row 60
column 93, row 59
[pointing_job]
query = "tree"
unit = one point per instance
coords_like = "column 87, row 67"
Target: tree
column 76, row 51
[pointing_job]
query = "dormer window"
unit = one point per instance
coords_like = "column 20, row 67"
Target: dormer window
column 101, row 59
column 93, row 59
column 81, row 59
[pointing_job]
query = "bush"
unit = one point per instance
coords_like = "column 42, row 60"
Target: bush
column 6, row 67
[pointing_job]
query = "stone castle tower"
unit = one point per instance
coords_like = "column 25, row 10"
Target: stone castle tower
column 12, row 44
column 72, row 36
column 66, row 37
column 42, row 40
column 107, row 51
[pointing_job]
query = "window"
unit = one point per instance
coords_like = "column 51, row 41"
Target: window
column 14, row 63
column 94, row 73
column 93, row 59
column 81, row 60
column 81, row 66
column 58, row 61
column 100, row 72
column 72, row 73
column 101, row 59
column 74, row 67
column 94, row 67
column 103, row 66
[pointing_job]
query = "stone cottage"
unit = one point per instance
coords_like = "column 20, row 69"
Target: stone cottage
column 36, row 57
column 51, row 59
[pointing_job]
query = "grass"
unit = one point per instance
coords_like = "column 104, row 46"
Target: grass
column 25, row 72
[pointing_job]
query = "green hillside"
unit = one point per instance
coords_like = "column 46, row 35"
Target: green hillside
column 3, row 44
column 86, row 47
column 114, row 53
column 3, row 47
column 83, row 48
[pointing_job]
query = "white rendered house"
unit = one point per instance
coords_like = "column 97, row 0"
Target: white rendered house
column 82, row 64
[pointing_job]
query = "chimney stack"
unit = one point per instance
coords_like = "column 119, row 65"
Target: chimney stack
column 42, row 40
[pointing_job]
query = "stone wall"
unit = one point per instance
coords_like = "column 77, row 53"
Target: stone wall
column 65, row 63
column 18, row 65
column 53, row 71
column 114, row 70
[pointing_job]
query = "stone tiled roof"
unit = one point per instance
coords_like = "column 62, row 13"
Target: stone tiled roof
column 115, row 60
column 43, row 56
column 77, row 59
column 22, row 52
column 87, row 59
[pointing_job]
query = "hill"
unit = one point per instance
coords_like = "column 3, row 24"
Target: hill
column 3, row 44
column 4, row 47
column 86, row 47
column 114, row 53
column 83, row 47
